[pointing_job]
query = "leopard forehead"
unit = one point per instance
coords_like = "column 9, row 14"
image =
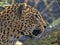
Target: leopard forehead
column 17, row 20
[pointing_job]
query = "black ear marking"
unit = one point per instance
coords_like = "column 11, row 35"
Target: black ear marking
column 19, row 10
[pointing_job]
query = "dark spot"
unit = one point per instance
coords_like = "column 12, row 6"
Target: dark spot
column 13, row 30
column 17, row 37
column 25, row 23
column 8, row 21
column 18, row 31
column 22, row 33
column 36, row 32
column 11, row 35
column 4, row 32
column 7, row 18
column 36, row 16
column 8, row 28
column 10, row 25
column 15, row 26
column 11, row 15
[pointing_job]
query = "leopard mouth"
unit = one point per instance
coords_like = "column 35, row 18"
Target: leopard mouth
column 36, row 32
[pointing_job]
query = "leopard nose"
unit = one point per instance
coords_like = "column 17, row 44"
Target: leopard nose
column 36, row 32
column 45, row 26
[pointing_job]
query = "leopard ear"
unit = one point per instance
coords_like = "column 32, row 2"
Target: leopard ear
column 19, row 10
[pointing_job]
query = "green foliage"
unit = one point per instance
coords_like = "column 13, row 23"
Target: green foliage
column 55, row 22
column 3, row 4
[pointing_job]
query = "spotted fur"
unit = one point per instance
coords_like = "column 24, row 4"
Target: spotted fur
column 17, row 20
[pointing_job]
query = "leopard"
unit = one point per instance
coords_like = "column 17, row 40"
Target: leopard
column 17, row 20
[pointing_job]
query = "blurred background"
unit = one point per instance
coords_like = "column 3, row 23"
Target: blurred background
column 50, row 11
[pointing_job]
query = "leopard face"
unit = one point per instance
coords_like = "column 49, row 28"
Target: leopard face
column 18, row 20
